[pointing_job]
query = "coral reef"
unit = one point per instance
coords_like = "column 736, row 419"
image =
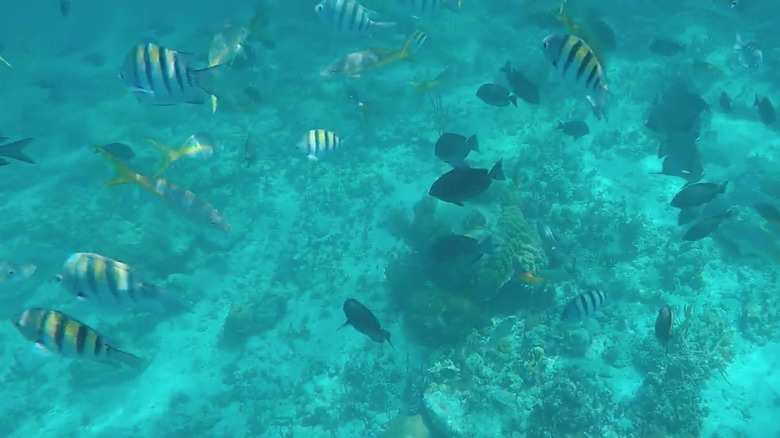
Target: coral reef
column 442, row 303
column 407, row 426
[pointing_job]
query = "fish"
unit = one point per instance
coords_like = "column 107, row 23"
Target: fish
column 441, row 78
column 578, row 64
column 250, row 154
column 364, row 321
column 53, row 331
column 575, row 129
column 111, row 284
column 584, row 305
column 666, row 47
column 65, row 7
column 557, row 259
column 419, row 40
column 175, row 196
column 750, row 55
column 696, row 194
column 319, row 143
column 725, row 102
column 10, row 274
column 496, row 95
column 457, row 248
column 160, row 76
column 225, row 47
column 260, row 24
column 765, row 109
column 500, row 334
column 664, row 326
column 429, row 8
column 676, row 109
column 462, row 184
column 688, row 215
column 523, row 273
column 705, row 227
column 355, row 63
column 195, row 146
column 454, row 148
column 768, row 212
column 348, row 17
column 14, row 150
column 120, row 150
column 521, row 86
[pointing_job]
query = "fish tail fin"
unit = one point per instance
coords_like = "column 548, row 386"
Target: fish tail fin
column 169, row 155
column 757, row 101
column 346, row 323
column 213, row 104
column 122, row 173
column 386, row 334
column 722, row 187
column 507, row 68
column 486, row 246
column 473, row 143
column 128, row 359
column 560, row 125
column 513, row 99
column 5, row 62
column 406, row 49
column 204, row 78
column 497, row 172
column 14, row 150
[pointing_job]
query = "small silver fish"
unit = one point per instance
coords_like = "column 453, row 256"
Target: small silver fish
column 10, row 274
column 750, row 55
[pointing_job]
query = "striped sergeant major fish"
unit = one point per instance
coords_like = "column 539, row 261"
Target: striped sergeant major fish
column 319, row 143
column 177, row 197
column 584, row 305
column 160, row 76
column 55, row 332
column 348, row 17
column 429, row 8
column 110, row 283
column 579, row 66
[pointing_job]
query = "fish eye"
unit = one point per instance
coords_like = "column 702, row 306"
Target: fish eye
column 58, row 278
column 318, row 8
column 546, row 44
column 11, row 272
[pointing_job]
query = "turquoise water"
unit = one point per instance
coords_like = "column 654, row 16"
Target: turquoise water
column 253, row 347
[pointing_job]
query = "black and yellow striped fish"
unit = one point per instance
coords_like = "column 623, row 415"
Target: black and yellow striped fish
column 318, row 143
column 160, row 76
column 110, row 283
column 579, row 65
column 56, row 332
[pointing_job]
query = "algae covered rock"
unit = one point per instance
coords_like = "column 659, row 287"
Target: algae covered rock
column 251, row 318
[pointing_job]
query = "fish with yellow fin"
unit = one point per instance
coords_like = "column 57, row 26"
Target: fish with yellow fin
column 225, row 47
column 177, row 197
column 581, row 32
column 354, row 64
column 195, row 146
column 440, row 79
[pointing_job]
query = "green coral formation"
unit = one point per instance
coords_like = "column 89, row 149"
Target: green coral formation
column 250, row 319
column 445, row 302
column 669, row 401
